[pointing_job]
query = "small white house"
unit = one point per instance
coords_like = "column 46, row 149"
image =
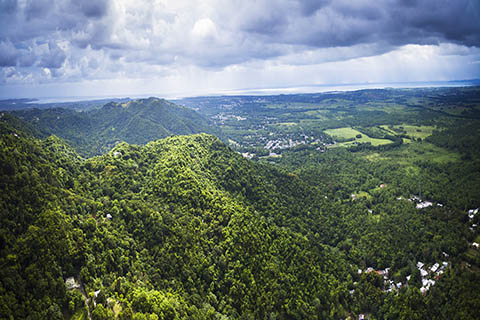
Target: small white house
column 424, row 204
column 70, row 283
column 472, row 213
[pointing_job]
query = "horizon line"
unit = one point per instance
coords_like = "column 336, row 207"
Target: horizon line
column 262, row 91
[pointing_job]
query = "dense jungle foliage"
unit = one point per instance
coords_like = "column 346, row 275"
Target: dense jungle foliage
column 186, row 228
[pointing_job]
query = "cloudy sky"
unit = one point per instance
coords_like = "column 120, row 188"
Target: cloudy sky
column 190, row 47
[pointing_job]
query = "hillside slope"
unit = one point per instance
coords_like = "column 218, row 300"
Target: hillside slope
column 185, row 228
column 97, row 131
column 179, row 230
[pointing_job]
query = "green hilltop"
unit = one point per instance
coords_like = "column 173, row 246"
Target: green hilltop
column 96, row 131
column 182, row 226
column 185, row 228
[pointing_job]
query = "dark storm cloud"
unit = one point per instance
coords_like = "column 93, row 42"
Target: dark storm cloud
column 43, row 19
column 64, row 35
column 8, row 57
column 263, row 19
column 8, row 6
column 345, row 23
column 54, row 58
column 309, row 7
column 441, row 21
column 11, row 56
column 313, row 23
column 37, row 9
column 94, row 9
column 39, row 34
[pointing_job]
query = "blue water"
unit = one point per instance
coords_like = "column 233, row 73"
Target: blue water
column 278, row 90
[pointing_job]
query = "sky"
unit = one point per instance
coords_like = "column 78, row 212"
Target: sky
column 65, row 48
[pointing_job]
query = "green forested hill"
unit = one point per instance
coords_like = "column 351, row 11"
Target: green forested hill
column 182, row 239
column 185, row 228
column 97, row 131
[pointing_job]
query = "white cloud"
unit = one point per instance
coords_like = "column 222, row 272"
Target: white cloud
column 204, row 29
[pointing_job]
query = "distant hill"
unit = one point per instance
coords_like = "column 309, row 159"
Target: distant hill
column 96, row 131
column 79, row 105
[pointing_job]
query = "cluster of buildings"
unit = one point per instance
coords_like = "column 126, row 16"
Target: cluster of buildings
column 283, row 144
column 424, row 204
column 421, row 204
column 221, row 118
column 429, row 275
column 279, row 143
column 389, row 284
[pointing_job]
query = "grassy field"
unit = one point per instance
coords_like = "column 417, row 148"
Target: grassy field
column 342, row 133
column 350, row 133
column 412, row 131
column 410, row 153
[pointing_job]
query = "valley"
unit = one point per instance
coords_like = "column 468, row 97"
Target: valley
column 255, row 124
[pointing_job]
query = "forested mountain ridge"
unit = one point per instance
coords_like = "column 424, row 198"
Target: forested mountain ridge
column 96, row 131
column 173, row 227
column 185, row 228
